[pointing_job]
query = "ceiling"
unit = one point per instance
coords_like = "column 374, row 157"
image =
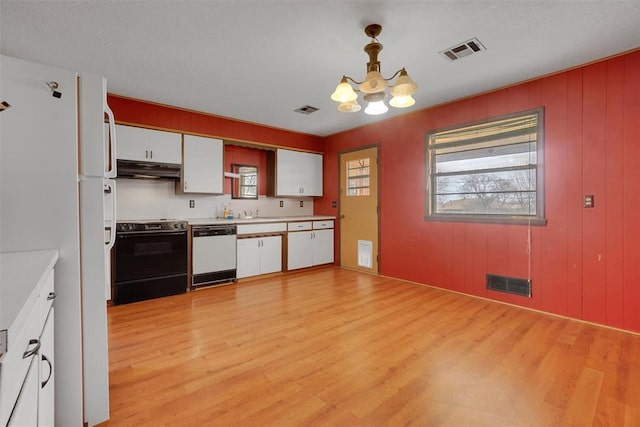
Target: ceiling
column 258, row 61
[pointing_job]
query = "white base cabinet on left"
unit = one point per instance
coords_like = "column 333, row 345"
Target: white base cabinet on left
column 27, row 369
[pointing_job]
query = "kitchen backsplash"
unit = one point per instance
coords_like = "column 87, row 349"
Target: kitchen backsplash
column 153, row 199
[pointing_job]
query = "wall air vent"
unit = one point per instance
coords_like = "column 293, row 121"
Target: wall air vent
column 511, row 285
column 306, row 109
column 463, row 49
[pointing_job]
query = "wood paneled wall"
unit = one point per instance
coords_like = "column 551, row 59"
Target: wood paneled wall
column 585, row 263
column 136, row 112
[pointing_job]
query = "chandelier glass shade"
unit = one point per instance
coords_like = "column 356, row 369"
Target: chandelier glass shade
column 374, row 84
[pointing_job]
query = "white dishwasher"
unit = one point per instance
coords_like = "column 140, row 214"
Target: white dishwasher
column 213, row 254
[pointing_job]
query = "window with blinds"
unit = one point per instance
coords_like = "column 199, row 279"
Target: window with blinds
column 489, row 171
column 358, row 177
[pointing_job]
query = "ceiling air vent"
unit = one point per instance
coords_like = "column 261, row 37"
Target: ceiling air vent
column 464, row 49
column 306, row 109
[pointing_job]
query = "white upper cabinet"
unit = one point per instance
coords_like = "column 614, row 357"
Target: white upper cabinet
column 202, row 165
column 148, row 145
column 296, row 173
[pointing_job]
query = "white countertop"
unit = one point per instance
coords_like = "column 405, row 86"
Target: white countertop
column 22, row 274
column 258, row 220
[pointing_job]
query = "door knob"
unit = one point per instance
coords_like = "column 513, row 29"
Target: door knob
column 341, row 216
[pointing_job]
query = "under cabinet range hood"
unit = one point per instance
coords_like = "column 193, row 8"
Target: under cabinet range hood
column 148, row 170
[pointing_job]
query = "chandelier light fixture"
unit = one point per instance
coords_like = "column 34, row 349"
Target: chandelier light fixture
column 374, row 85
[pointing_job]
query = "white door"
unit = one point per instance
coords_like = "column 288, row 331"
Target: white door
column 312, row 177
column 164, row 147
column 202, row 165
column 133, row 143
column 300, row 251
column 322, row 246
column 25, row 412
column 46, row 401
column 94, row 308
column 248, row 257
column 271, row 254
column 289, row 174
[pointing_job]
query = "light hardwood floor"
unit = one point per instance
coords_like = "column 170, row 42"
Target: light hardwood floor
column 340, row 348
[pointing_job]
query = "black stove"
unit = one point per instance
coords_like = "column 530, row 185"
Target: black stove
column 150, row 259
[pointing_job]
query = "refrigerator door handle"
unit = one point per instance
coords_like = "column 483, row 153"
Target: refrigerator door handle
column 111, row 171
column 111, row 184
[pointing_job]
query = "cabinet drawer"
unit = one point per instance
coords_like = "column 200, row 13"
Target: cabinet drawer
column 319, row 225
column 272, row 227
column 299, row 226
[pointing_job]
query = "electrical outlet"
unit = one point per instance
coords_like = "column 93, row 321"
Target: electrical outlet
column 301, row 204
column 589, row 201
column 282, row 203
column 192, row 203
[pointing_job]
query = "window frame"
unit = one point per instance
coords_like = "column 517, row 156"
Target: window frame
column 357, row 188
column 538, row 219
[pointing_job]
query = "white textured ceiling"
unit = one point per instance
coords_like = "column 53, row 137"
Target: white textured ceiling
column 259, row 60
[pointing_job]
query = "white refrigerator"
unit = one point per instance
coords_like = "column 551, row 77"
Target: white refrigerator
column 97, row 236
column 57, row 192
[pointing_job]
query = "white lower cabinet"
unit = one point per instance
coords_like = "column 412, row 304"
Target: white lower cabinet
column 27, row 396
column 259, row 255
column 35, row 404
column 309, row 248
column 25, row 412
column 46, row 394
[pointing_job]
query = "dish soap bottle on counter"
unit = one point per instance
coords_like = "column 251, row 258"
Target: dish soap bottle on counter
column 229, row 214
column 224, row 212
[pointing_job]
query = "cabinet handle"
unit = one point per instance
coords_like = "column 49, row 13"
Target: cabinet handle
column 51, row 296
column 151, row 154
column 44, row 383
column 146, row 154
column 27, row 354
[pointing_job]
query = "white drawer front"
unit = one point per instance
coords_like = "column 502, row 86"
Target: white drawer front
column 298, row 226
column 270, row 227
column 319, row 225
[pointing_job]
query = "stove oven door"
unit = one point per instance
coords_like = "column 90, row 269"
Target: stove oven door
column 149, row 265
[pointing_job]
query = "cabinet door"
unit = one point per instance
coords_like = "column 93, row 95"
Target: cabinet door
column 164, row 147
column 133, row 143
column 25, row 412
column 300, row 250
column 289, row 174
column 248, row 257
column 312, row 176
column 271, row 254
column 148, row 145
column 322, row 246
column 46, row 401
column 202, row 165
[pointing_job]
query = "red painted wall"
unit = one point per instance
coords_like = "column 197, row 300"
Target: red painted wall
column 585, row 263
column 246, row 156
column 136, row 112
